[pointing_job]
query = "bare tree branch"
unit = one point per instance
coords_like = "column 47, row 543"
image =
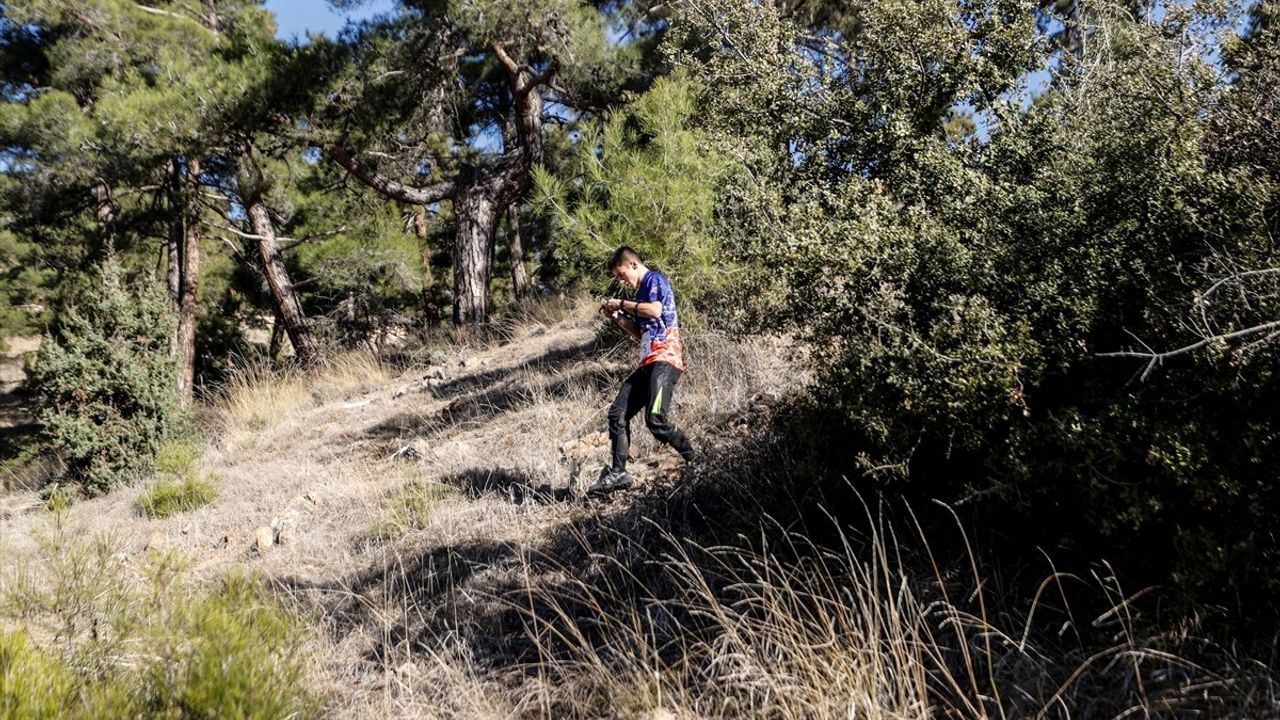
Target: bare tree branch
column 1157, row 358
column 395, row 190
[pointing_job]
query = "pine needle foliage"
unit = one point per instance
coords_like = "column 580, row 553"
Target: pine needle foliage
column 106, row 382
column 646, row 177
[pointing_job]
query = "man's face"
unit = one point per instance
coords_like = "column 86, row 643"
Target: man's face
column 628, row 273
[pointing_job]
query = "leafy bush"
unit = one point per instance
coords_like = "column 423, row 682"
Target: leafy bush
column 105, row 380
column 33, row 684
column 123, row 646
column 174, row 494
column 956, row 292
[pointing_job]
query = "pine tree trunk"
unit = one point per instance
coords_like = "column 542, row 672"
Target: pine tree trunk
column 519, row 280
column 190, row 279
column 276, row 346
column 106, row 216
column 173, row 274
column 420, row 229
column 283, row 297
column 477, row 216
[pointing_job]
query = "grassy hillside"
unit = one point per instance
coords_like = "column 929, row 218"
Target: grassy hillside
column 408, row 540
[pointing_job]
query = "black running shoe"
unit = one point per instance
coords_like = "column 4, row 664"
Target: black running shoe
column 609, row 481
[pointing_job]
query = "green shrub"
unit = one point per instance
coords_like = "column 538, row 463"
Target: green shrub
column 156, row 646
column 33, row 684
column 105, row 380
column 956, row 295
column 171, row 495
column 410, row 508
column 228, row 654
column 176, row 456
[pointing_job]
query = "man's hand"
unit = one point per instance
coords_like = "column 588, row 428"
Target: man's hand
column 611, row 309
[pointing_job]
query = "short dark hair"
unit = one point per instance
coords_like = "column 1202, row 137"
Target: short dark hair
column 622, row 256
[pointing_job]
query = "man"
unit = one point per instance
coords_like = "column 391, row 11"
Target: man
column 651, row 319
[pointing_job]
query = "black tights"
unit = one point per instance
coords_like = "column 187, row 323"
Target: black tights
column 649, row 388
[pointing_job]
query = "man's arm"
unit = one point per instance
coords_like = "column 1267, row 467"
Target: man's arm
column 611, row 309
column 625, row 323
column 639, row 309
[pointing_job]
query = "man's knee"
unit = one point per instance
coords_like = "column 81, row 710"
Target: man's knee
column 661, row 426
column 617, row 416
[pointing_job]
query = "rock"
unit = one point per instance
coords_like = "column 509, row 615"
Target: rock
column 356, row 404
column 284, row 526
column 263, row 538
column 156, row 541
column 438, row 357
column 436, row 372
column 408, row 452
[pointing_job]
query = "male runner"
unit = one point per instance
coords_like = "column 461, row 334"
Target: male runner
column 651, row 319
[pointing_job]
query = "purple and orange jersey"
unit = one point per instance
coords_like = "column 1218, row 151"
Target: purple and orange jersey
column 660, row 336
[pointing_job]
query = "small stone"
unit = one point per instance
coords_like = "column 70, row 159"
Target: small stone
column 263, row 538
column 186, row 529
column 156, row 541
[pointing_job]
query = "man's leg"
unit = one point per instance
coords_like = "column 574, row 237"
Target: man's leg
column 657, row 409
column 631, row 399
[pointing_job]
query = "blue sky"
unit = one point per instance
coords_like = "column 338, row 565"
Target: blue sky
column 297, row 17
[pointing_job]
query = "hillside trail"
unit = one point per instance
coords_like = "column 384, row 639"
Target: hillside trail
column 375, row 499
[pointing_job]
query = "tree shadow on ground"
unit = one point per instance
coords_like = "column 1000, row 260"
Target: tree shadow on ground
column 516, row 486
column 479, row 591
column 508, row 395
column 598, row 344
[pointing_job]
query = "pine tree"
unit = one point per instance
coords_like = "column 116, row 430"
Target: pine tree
column 464, row 84
column 105, row 381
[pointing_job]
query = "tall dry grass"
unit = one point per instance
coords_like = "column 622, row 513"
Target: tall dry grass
column 256, row 398
column 625, row 615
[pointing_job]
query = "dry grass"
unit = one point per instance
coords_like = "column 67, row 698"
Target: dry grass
column 257, row 399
